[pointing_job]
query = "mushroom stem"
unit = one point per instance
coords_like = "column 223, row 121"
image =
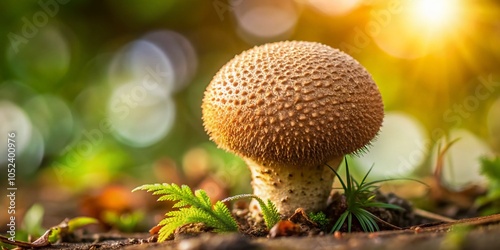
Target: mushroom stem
column 290, row 188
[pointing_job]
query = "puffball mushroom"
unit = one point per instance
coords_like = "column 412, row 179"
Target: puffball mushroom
column 287, row 108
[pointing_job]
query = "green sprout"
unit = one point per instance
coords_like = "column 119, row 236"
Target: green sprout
column 359, row 197
column 32, row 222
column 59, row 233
column 319, row 218
column 123, row 222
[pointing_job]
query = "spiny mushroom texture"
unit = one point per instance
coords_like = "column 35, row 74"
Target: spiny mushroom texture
column 287, row 108
column 296, row 104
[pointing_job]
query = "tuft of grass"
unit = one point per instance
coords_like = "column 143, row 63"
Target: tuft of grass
column 193, row 208
column 359, row 197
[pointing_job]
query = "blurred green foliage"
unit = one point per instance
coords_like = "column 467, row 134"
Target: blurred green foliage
column 490, row 202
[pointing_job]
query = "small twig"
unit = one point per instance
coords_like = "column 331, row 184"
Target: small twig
column 387, row 223
column 18, row 243
column 475, row 221
column 432, row 216
column 15, row 242
column 43, row 241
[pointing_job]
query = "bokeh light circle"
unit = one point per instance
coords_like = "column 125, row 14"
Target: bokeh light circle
column 140, row 116
column 461, row 164
column 143, row 61
column 54, row 120
column 263, row 20
column 178, row 49
column 400, row 147
column 32, row 156
column 41, row 60
column 14, row 119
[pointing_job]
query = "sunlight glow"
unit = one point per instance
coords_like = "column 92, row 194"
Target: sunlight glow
column 399, row 149
column 422, row 27
column 435, row 15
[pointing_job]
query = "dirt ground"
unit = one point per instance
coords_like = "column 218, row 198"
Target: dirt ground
column 485, row 236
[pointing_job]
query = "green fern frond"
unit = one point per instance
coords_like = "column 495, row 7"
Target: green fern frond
column 270, row 213
column 223, row 214
column 269, row 210
column 193, row 208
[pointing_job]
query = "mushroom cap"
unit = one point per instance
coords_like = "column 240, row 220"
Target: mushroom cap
column 292, row 103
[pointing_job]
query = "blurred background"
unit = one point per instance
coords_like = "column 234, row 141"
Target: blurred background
column 105, row 96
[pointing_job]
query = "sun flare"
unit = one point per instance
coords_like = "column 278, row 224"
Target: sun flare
column 436, row 15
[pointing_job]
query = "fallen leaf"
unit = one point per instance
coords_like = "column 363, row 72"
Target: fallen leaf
column 284, row 228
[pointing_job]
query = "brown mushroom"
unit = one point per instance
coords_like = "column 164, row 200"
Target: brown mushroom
column 287, row 108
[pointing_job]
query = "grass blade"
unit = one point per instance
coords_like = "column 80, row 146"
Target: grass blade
column 340, row 222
